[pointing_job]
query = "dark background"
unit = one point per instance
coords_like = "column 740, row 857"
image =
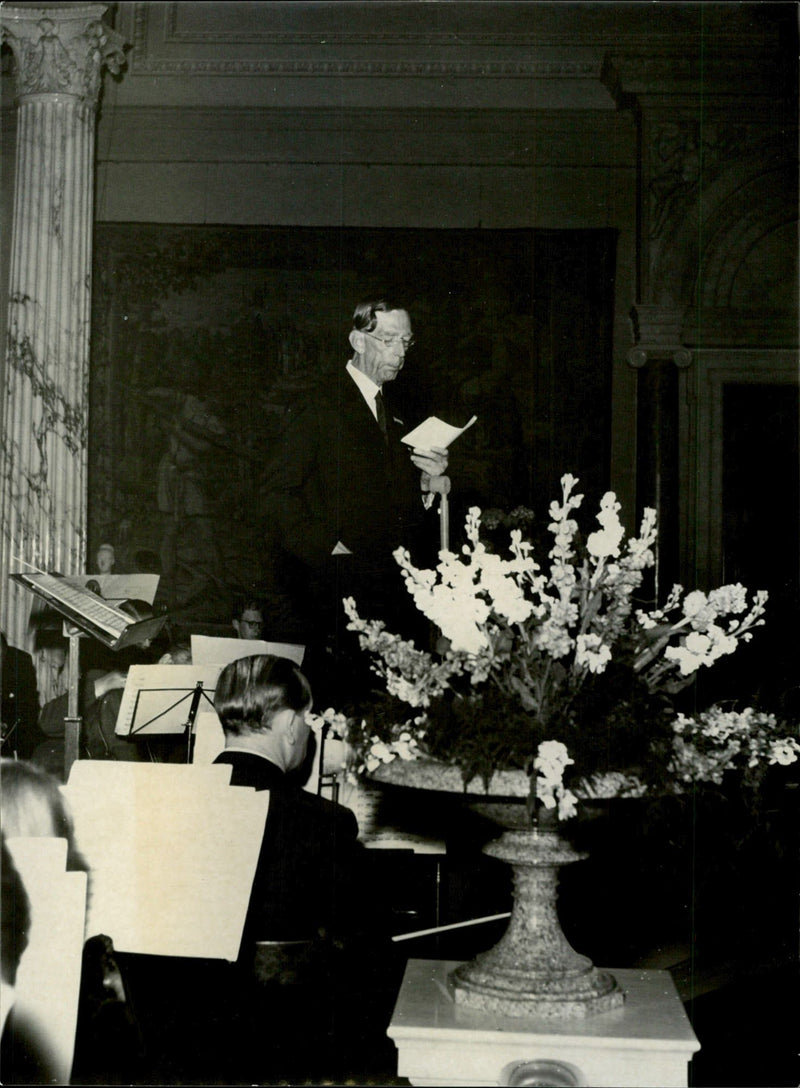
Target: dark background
column 203, row 335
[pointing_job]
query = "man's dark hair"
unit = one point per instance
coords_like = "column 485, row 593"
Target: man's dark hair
column 137, row 609
column 364, row 318
column 252, row 690
column 247, row 604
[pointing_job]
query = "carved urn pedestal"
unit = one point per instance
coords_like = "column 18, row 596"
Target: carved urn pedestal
column 533, row 970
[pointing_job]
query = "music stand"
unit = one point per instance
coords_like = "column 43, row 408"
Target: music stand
column 165, row 699
column 85, row 614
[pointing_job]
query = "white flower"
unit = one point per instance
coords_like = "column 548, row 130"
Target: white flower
column 699, row 649
column 718, row 740
column 727, row 599
column 552, row 758
column 567, row 805
column 592, row 653
column 608, row 540
column 694, row 602
column 784, row 751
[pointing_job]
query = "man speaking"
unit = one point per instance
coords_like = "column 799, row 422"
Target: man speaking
column 350, row 491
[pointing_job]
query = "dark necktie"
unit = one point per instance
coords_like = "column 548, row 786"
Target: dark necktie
column 381, row 413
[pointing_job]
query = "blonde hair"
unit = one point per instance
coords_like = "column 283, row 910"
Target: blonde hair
column 33, row 806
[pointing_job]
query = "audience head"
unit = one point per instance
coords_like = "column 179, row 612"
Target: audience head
column 31, row 802
column 248, row 618
column 106, row 559
column 15, row 918
column 33, row 806
column 138, row 610
column 179, row 653
column 262, row 701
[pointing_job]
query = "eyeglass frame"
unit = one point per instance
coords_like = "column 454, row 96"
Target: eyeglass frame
column 407, row 342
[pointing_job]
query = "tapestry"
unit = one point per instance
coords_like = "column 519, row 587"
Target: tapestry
column 201, row 337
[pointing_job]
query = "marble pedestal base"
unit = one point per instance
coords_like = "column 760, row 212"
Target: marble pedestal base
column 646, row 1042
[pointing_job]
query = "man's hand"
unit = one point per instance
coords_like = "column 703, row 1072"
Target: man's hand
column 431, row 462
column 103, row 684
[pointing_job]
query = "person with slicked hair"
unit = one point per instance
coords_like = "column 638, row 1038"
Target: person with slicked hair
column 345, row 492
column 310, row 957
column 306, row 867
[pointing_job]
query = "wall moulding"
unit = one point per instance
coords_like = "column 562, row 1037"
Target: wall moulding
column 161, row 47
column 520, row 23
column 689, row 72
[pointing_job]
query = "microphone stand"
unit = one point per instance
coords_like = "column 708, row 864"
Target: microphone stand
column 193, row 708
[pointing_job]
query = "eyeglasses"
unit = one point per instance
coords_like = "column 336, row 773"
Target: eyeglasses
column 253, row 625
column 393, row 341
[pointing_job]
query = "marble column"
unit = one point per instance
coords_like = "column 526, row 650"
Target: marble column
column 59, row 55
column 661, row 361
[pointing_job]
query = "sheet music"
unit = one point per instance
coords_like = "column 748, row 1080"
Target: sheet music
column 157, row 698
column 119, row 587
column 101, row 613
column 221, row 651
column 90, row 613
column 172, row 850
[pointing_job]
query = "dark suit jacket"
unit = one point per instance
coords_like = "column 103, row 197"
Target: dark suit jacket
column 340, row 481
column 20, row 704
column 306, row 877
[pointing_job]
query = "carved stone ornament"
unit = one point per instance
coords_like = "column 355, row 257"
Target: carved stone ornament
column 62, row 51
column 683, row 154
column 657, row 334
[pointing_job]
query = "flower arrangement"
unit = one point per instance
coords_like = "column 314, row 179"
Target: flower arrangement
column 717, row 741
column 535, row 654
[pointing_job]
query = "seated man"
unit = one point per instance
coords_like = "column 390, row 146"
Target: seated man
column 98, row 707
column 315, row 961
column 305, row 872
column 19, row 708
column 248, row 619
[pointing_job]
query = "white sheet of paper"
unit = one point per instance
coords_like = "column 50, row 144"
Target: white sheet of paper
column 48, row 980
column 209, row 738
column 207, row 650
column 158, row 698
column 172, row 850
column 120, row 587
column 434, row 432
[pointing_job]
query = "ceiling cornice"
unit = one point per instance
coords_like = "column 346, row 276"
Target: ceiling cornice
column 393, row 53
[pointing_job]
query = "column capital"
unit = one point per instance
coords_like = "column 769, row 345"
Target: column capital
column 61, row 50
column 657, row 334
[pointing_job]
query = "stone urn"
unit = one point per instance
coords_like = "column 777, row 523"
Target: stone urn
column 533, row 970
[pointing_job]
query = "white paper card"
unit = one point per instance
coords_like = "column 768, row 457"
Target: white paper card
column 49, row 975
column 434, row 432
column 172, row 850
column 209, row 738
column 207, row 650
